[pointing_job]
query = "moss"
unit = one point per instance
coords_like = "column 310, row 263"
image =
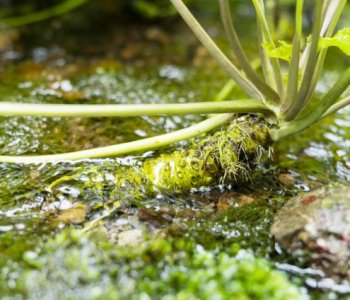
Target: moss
column 246, row 226
column 230, row 154
column 74, row 266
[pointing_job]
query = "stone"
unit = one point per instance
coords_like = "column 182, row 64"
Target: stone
column 316, row 227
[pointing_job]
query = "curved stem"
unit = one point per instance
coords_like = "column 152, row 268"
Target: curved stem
column 296, row 106
column 226, row 90
column 266, row 61
column 337, row 106
column 215, row 52
column 127, row 148
column 53, row 11
column 241, row 56
column 293, row 78
column 332, row 17
column 316, row 114
column 267, row 36
column 329, row 17
column 132, row 110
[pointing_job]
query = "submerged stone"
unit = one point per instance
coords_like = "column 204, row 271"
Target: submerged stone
column 315, row 227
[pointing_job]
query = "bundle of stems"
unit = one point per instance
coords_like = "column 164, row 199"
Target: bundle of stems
column 285, row 105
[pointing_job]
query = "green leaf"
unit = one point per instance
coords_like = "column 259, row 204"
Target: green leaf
column 282, row 51
column 340, row 40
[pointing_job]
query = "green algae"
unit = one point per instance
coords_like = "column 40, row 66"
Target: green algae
column 228, row 155
column 73, row 266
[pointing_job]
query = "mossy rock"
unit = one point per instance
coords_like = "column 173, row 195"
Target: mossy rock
column 315, row 227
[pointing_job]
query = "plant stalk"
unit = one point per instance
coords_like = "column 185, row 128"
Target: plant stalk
column 296, row 106
column 331, row 20
column 266, row 36
column 293, row 78
column 127, row 148
column 317, row 113
column 215, row 52
column 337, row 106
column 226, row 90
column 132, row 110
column 241, row 56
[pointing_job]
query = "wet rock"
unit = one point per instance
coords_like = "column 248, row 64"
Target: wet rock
column 75, row 214
column 130, row 237
column 230, row 199
column 127, row 229
column 286, row 179
column 315, row 227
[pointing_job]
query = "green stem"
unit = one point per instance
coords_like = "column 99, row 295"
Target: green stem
column 327, row 101
column 299, row 17
column 241, row 56
column 127, row 148
column 337, row 106
column 214, row 50
column 297, row 105
column 293, row 78
column 225, row 91
column 131, row 110
column 336, row 91
column 53, row 11
column 267, row 36
column 230, row 85
column 331, row 20
column 332, row 15
column 327, row 17
column 265, row 61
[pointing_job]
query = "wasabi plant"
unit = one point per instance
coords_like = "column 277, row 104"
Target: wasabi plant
column 281, row 102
